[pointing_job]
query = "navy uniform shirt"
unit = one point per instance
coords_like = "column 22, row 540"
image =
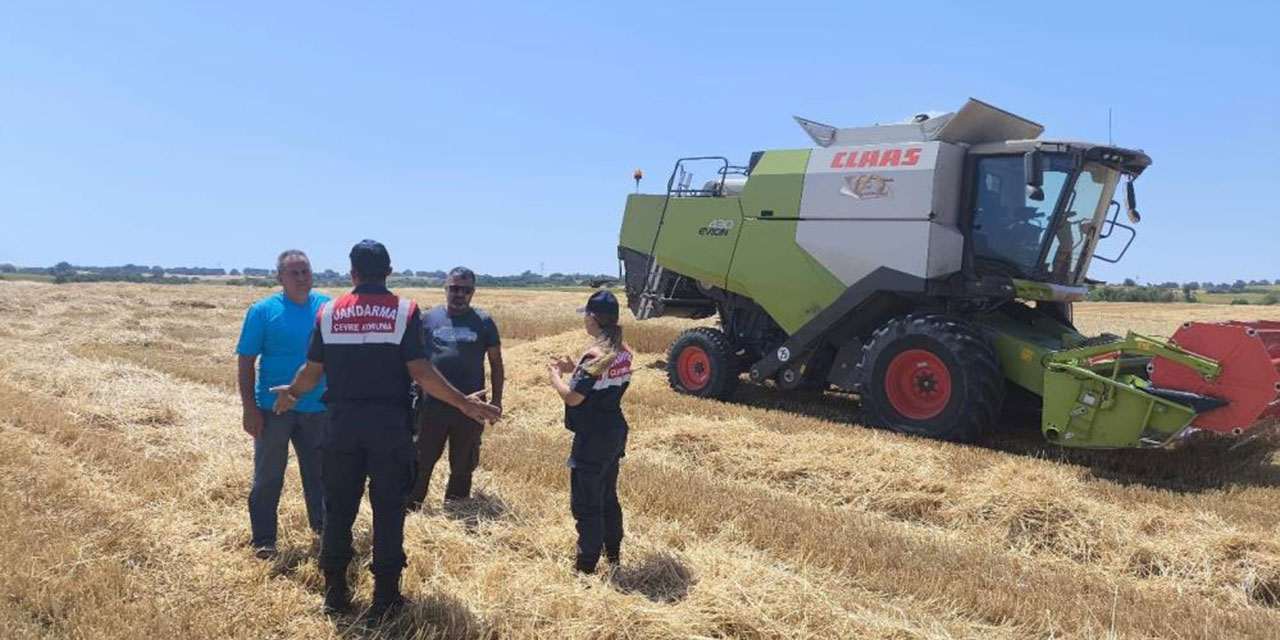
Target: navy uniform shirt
column 457, row 345
column 598, row 426
column 364, row 340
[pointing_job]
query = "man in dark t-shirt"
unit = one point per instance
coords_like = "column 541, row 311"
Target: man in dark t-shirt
column 458, row 338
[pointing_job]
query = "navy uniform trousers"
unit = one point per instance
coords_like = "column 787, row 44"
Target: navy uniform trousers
column 593, row 499
column 374, row 441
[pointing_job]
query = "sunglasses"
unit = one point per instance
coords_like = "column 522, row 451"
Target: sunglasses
column 458, row 289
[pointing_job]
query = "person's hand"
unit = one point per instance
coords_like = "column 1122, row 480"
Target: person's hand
column 252, row 421
column 563, row 365
column 483, row 396
column 284, row 399
column 479, row 410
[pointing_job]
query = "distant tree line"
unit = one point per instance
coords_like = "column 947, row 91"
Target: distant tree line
column 427, row 279
column 1131, row 294
column 1128, row 291
column 1239, row 286
column 62, row 278
column 255, row 276
column 1131, row 291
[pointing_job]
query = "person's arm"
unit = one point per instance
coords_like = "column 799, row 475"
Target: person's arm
column 497, row 373
column 569, row 396
column 307, row 378
column 252, row 337
column 493, row 350
column 247, row 380
column 413, row 349
column 432, row 382
column 574, row 391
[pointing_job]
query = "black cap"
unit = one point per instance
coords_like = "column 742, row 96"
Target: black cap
column 370, row 258
column 601, row 302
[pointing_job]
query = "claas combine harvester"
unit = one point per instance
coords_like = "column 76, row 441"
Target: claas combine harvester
column 928, row 267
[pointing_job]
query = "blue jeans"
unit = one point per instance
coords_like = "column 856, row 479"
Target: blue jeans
column 270, row 455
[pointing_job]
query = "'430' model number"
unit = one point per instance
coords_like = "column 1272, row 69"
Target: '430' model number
column 717, row 227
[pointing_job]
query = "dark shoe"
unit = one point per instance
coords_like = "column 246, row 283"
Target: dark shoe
column 584, row 566
column 265, row 552
column 337, row 597
column 615, row 559
column 387, row 600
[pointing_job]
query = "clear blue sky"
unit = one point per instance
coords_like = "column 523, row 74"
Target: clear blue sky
column 503, row 135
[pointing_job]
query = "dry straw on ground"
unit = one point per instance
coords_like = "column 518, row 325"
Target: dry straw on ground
column 124, row 475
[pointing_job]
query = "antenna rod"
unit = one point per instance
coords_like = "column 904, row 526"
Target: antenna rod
column 1109, row 142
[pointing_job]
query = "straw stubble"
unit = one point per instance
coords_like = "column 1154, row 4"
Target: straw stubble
column 124, row 475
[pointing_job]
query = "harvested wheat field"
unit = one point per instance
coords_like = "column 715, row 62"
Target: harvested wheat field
column 124, row 476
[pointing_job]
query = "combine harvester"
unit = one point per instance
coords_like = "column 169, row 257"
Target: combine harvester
column 925, row 266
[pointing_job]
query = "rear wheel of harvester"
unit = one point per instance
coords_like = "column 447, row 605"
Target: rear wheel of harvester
column 702, row 363
column 932, row 376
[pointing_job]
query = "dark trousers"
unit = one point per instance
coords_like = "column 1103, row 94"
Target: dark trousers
column 593, row 498
column 270, row 456
column 371, row 441
column 438, row 424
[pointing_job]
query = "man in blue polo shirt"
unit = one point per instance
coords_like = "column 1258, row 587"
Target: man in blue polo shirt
column 275, row 336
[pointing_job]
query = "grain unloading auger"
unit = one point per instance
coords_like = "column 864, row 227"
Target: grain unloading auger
column 927, row 266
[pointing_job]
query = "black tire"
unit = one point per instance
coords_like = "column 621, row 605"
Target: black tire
column 703, row 363
column 907, row 364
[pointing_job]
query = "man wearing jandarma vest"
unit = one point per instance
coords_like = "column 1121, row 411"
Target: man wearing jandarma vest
column 369, row 344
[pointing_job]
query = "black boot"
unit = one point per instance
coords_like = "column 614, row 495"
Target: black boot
column 337, row 597
column 614, row 556
column 585, row 565
column 387, row 600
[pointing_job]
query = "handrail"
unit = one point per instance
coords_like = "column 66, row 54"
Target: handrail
column 653, row 273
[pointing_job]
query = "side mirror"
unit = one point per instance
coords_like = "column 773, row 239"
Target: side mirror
column 1033, row 168
column 1132, row 201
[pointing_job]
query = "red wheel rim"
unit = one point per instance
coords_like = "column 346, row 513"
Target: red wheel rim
column 694, row 368
column 918, row 384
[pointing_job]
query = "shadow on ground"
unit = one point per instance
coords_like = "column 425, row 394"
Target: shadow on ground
column 1202, row 462
column 289, row 559
column 481, row 507
column 426, row 617
column 814, row 403
column 660, row 577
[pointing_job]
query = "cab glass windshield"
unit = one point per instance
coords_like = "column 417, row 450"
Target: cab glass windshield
column 1084, row 210
column 1008, row 227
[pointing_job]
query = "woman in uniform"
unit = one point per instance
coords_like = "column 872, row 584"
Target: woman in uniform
column 593, row 412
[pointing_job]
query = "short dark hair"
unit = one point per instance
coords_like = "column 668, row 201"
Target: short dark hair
column 462, row 272
column 370, row 261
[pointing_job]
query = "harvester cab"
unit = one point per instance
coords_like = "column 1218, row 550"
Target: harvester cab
column 925, row 266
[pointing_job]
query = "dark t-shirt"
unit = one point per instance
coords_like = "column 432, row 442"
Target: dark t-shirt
column 457, row 345
column 364, row 340
column 598, row 426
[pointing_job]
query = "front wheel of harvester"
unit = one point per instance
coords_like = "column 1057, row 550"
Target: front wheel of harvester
column 932, row 376
column 702, row 363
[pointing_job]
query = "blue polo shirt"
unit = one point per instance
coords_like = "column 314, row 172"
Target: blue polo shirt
column 277, row 330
